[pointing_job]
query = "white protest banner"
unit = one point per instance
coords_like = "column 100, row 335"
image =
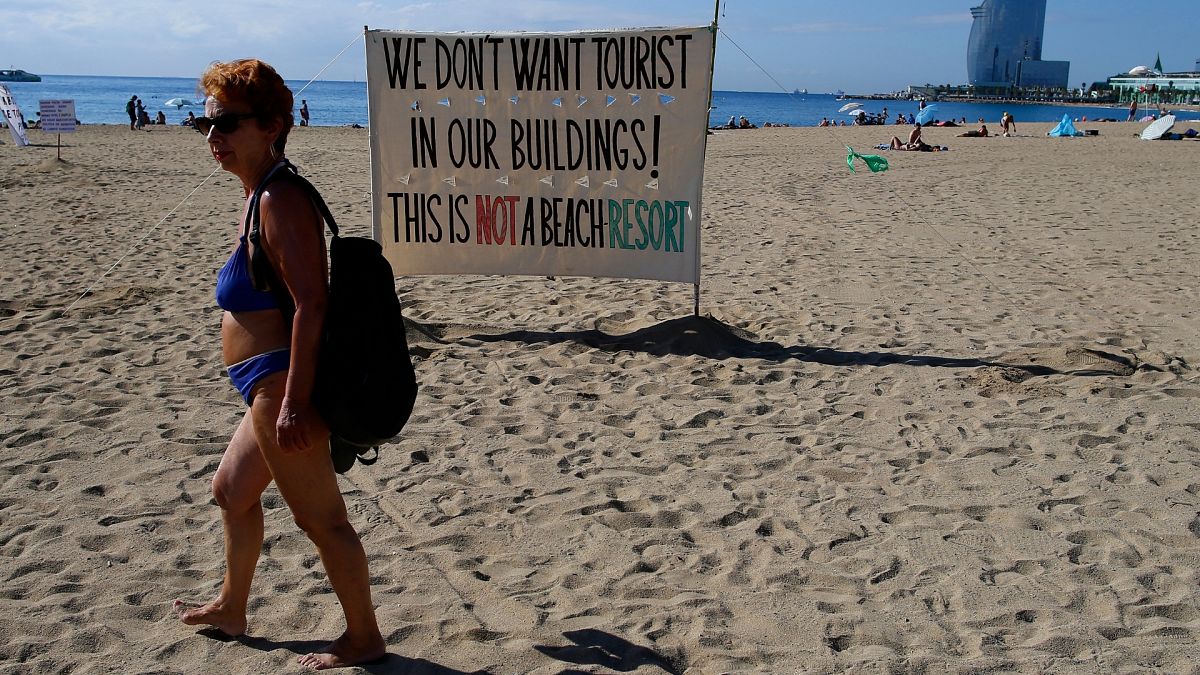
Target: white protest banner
column 533, row 153
column 12, row 116
column 58, row 115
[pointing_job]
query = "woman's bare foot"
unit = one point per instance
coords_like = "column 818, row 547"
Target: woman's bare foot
column 215, row 614
column 342, row 653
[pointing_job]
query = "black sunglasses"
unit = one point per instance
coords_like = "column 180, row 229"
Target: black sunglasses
column 226, row 123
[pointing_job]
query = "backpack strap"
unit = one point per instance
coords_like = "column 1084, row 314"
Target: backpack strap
column 262, row 273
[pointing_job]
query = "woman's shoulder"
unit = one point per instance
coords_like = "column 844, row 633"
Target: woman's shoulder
column 283, row 193
column 284, row 203
column 282, row 188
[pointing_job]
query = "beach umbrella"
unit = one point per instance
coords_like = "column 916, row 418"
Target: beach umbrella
column 925, row 116
column 1158, row 128
column 850, row 106
column 856, row 113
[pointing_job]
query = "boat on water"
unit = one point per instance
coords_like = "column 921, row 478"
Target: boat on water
column 15, row 75
column 839, row 95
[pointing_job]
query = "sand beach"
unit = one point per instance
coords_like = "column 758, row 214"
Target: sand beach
column 940, row 419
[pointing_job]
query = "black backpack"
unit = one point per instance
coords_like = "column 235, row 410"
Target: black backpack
column 365, row 384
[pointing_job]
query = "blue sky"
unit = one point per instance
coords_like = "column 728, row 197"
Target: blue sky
column 857, row 45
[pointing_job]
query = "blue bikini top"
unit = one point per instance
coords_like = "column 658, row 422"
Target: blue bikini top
column 235, row 290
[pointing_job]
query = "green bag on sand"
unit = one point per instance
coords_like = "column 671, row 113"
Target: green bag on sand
column 874, row 162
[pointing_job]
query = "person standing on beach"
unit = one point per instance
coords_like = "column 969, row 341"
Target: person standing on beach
column 131, row 108
column 1132, row 111
column 303, row 113
column 1008, row 124
column 272, row 362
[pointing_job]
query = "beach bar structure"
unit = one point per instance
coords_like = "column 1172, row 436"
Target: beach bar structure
column 1156, row 89
column 1005, row 48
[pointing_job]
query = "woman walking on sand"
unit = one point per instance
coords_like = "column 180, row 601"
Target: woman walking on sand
column 272, row 363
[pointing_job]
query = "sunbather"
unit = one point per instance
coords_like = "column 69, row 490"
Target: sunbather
column 981, row 132
column 914, row 140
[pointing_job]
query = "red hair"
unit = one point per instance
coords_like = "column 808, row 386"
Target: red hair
column 255, row 83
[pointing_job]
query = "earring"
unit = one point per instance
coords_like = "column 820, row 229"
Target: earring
column 274, row 153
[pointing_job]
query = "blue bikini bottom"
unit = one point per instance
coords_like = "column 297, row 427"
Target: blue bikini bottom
column 246, row 374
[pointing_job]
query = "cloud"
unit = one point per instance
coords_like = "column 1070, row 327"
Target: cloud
column 55, row 16
column 823, row 27
column 828, row 27
column 941, row 19
column 507, row 15
column 135, row 37
column 188, row 24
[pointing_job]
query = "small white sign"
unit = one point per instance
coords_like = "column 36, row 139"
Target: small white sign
column 58, row 115
column 12, row 116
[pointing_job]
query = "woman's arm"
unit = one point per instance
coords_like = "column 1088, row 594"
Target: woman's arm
column 294, row 239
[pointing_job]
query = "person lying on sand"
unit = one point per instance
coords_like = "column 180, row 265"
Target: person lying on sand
column 981, row 132
column 914, row 140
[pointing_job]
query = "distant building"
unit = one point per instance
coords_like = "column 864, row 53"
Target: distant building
column 1005, row 47
column 1158, row 88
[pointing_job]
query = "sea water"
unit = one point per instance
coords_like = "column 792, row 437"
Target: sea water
column 101, row 100
column 808, row 109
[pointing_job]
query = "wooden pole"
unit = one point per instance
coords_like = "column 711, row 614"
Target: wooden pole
column 60, row 146
column 711, row 70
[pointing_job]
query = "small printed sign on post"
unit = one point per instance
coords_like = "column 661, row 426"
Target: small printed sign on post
column 58, row 115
